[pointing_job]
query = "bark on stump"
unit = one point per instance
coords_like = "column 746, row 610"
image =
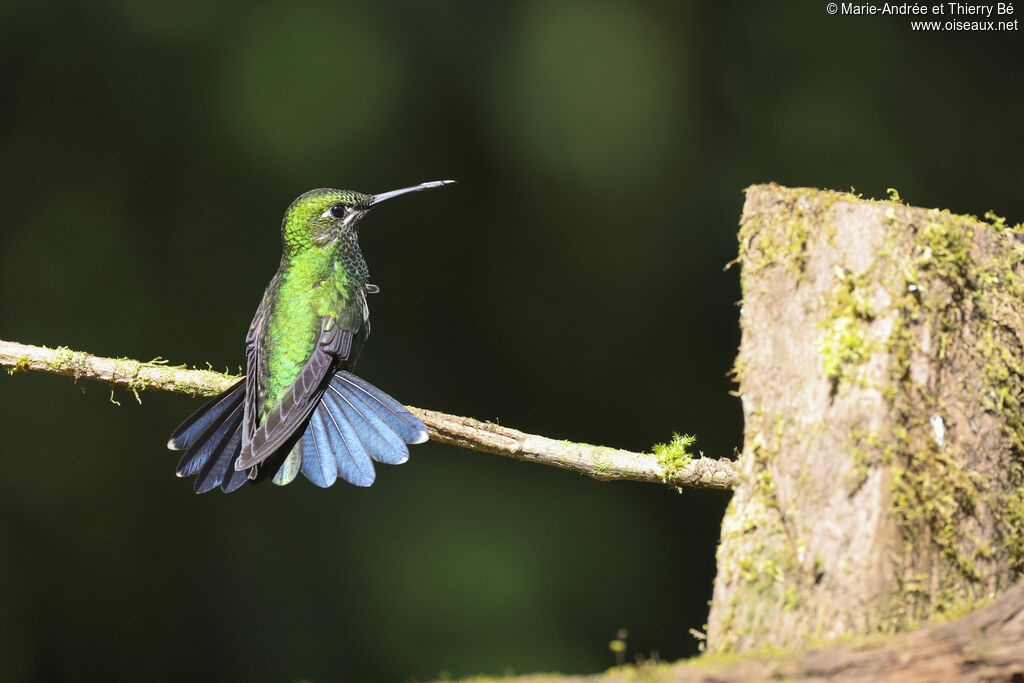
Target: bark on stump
column 881, row 376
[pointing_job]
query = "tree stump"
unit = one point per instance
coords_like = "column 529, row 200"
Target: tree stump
column 881, row 371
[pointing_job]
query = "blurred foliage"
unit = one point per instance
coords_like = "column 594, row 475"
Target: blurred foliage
column 591, row 93
column 571, row 285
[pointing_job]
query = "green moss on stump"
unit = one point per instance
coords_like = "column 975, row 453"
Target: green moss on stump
column 947, row 304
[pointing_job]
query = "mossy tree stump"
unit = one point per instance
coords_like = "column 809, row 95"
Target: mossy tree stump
column 881, row 377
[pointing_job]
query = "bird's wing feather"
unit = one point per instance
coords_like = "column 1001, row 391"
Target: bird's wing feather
column 252, row 369
column 299, row 400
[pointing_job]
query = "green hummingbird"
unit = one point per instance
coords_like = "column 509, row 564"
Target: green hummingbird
column 299, row 407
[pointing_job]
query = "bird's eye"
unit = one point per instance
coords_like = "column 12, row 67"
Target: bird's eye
column 336, row 212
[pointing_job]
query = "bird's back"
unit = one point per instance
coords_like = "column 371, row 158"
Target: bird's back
column 303, row 295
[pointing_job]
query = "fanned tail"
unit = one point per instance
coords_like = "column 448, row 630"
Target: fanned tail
column 354, row 424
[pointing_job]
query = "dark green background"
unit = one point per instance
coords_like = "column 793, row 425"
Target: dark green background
column 571, row 285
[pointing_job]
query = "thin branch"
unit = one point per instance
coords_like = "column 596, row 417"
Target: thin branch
column 598, row 462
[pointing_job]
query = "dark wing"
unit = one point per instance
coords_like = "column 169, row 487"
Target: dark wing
column 292, row 412
column 358, row 339
column 252, row 369
column 360, row 332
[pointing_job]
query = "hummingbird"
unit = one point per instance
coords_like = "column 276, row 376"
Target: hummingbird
column 299, row 408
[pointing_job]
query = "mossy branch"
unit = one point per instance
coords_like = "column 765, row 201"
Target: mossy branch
column 597, row 462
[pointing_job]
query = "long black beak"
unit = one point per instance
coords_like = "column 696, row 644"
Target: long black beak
column 384, row 196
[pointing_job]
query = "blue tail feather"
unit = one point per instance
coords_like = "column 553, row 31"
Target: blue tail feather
column 208, row 443
column 350, row 451
column 318, row 463
column 224, row 445
column 398, row 417
column 234, row 478
column 210, row 414
column 381, row 440
column 189, row 463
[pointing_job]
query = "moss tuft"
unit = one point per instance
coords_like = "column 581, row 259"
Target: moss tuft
column 674, row 455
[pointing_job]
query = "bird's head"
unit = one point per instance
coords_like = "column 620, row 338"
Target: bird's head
column 320, row 217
